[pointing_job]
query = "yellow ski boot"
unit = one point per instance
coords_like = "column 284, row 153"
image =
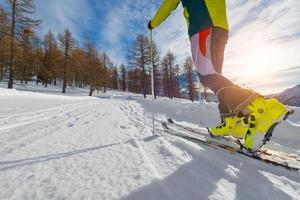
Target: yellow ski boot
column 233, row 126
column 265, row 115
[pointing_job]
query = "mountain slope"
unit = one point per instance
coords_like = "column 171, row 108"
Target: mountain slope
column 290, row 96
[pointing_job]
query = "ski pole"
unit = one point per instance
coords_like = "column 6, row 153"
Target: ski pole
column 152, row 77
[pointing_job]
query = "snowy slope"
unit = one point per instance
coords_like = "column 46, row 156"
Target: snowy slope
column 102, row 147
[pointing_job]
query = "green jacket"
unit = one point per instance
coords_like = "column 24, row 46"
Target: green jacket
column 199, row 14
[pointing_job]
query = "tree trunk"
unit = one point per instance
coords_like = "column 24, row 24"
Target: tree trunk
column 1, row 72
column 46, row 81
column 12, row 47
column 91, row 90
column 64, row 82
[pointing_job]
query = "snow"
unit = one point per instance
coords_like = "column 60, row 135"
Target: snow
column 71, row 146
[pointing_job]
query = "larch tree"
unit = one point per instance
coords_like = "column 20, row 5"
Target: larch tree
column 115, row 78
column 188, row 69
column 38, row 58
column 20, row 12
column 66, row 44
column 177, row 80
column 26, row 58
column 50, row 58
column 4, row 38
column 156, row 72
column 105, row 70
column 140, row 60
column 123, row 77
column 165, row 77
column 91, row 54
column 132, row 81
column 81, row 64
column 168, row 74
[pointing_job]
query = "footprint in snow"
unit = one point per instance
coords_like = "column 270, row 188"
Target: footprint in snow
column 70, row 125
column 133, row 143
column 123, row 127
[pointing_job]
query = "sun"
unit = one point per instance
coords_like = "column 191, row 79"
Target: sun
column 258, row 62
column 256, row 66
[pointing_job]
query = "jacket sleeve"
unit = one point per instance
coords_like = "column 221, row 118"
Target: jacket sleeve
column 164, row 11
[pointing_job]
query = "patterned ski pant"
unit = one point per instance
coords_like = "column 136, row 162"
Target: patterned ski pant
column 208, row 48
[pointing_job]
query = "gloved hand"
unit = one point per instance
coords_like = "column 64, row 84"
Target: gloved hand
column 149, row 25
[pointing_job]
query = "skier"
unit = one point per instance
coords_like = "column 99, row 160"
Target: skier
column 245, row 114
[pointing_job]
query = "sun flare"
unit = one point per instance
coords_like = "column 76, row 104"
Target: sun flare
column 259, row 62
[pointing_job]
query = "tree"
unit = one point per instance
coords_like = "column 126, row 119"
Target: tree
column 105, row 71
column 140, row 59
column 123, row 77
column 4, row 39
column 114, row 78
column 156, row 73
column 50, row 59
column 19, row 13
column 168, row 74
column 38, row 57
column 26, row 57
column 133, row 81
column 81, row 66
column 188, row 68
column 177, row 71
column 66, row 44
column 91, row 53
column 165, row 77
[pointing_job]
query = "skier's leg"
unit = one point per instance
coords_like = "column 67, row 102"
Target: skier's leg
column 219, row 38
column 230, row 96
column 234, row 100
column 263, row 114
column 204, row 48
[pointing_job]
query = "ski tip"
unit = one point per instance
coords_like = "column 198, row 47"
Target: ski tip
column 164, row 125
column 170, row 121
column 211, row 135
column 288, row 114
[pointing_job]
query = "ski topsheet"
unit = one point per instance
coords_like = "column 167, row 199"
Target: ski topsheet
column 200, row 136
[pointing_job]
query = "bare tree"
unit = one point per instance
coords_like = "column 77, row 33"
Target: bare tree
column 114, row 78
column 105, row 70
column 156, row 73
column 188, row 68
column 123, row 77
column 20, row 12
column 66, row 44
column 177, row 71
column 168, row 74
column 4, row 38
column 92, row 54
column 140, row 60
column 50, row 59
column 38, row 57
column 26, row 57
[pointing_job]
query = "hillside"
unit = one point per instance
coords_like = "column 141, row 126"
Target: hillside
column 290, row 96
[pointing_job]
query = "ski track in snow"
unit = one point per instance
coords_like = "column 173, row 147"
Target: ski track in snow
column 103, row 148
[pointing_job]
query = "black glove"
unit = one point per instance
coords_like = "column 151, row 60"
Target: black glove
column 149, row 25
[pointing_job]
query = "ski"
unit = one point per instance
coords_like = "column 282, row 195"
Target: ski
column 205, row 133
column 265, row 155
column 202, row 132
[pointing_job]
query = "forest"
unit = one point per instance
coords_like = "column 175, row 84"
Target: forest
column 61, row 59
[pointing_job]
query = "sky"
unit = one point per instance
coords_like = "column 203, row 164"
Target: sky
column 263, row 51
